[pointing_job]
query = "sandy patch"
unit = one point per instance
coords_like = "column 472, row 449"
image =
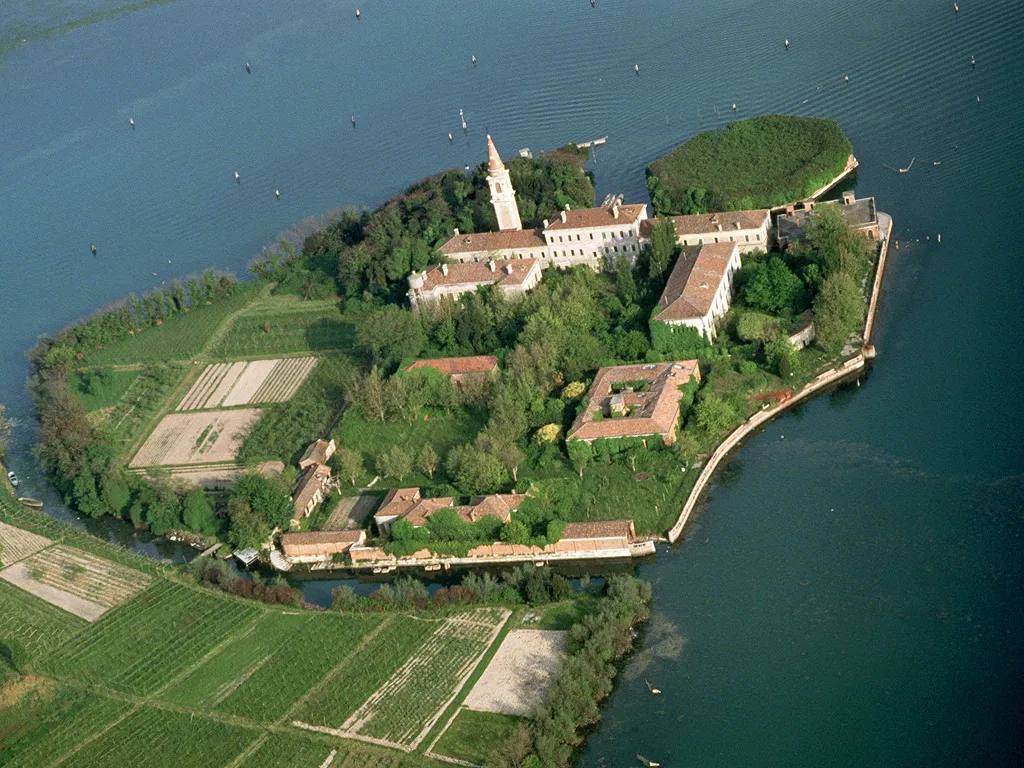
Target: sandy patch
column 18, row 576
column 226, row 384
column 519, row 675
column 17, row 544
column 196, row 438
column 351, row 513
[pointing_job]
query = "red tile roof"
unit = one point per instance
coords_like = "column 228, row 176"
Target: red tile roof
column 314, row 480
column 707, row 223
column 493, row 158
column 457, row 366
column 597, row 217
column 505, row 240
column 323, row 543
column 506, row 272
column 691, row 288
column 656, row 410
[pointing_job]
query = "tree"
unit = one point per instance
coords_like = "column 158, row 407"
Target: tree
column 712, row 414
column 428, row 460
column 390, row 334
column 247, row 528
column 625, row 285
column 163, row 510
column 343, row 598
column 773, row 287
column 369, row 394
column 474, row 471
column 198, row 515
column 266, row 498
column 114, row 492
column 396, row 462
column 838, row 311
column 662, row 248
column 549, row 433
column 349, row 463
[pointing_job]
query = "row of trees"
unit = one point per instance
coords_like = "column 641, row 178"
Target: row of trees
column 128, row 318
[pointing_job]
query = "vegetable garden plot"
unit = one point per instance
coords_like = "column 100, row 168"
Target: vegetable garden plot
column 73, row 717
column 252, row 379
column 376, row 662
column 409, row 703
column 17, row 544
column 218, row 677
column 320, row 644
column 203, row 386
column 150, row 640
column 285, row 381
column 86, row 576
column 153, row 738
column 31, row 624
column 196, row 438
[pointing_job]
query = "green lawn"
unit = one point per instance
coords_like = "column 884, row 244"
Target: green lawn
column 311, row 750
column 473, row 736
column 180, row 337
column 29, row 626
column 101, row 387
column 285, row 325
column 561, row 616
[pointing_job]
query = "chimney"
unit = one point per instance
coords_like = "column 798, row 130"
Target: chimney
column 546, row 223
column 736, row 224
column 491, row 265
column 444, row 270
column 456, row 231
column 848, row 198
column 615, row 211
column 567, row 207
column 718, row 226
column 508, row 269
column 790, row 210
column 562, row 214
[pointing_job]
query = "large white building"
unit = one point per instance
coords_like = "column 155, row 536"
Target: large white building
column 512, row 276
column 748, row 229
column 699, row 290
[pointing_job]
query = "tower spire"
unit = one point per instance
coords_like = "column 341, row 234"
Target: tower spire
column 493, row 158
column 503, row 196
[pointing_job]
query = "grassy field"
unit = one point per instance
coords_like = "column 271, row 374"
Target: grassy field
column 99, row 388
column 33, row 736
column 28, row 626
column 154, row 738
column 287, row 751
column 145, row 643
column 473, row 736
column 334, row 703
column 741, row 166
column 180, row 337
column 281, row 325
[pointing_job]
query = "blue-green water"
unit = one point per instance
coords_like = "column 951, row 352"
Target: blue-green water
column 850, row 591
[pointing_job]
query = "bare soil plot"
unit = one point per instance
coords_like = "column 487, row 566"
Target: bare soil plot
column 86, row 575
column 351, row 512
column 196, row 438
column 220, row 476
column 518, row 677
column 255, row 374
column 17, row 544
column 242, row 383
column 18, row 575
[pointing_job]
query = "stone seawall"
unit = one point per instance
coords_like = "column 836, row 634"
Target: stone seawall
column 824, row 380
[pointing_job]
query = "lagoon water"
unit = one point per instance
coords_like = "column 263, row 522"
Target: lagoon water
column 850, row 591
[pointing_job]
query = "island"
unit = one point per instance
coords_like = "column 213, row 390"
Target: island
column 488, row 370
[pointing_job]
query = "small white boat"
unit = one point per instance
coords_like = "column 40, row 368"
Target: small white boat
column 13, row 478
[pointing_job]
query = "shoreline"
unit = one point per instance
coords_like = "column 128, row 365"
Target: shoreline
column 852, row 163
column 852, row 366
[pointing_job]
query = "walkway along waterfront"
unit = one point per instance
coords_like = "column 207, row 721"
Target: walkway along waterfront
column 758, row 420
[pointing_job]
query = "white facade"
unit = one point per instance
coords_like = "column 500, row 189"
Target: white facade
column 750, row 230
column 512, row 276
column 699, row 291
column 503, row 197
column 594, row 236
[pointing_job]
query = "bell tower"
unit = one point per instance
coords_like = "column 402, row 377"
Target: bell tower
column 503, row 197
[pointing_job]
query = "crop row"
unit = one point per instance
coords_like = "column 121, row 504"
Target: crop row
column 376, row 662
column 85, row 575
column 313, row 650
column 410, row 701
column 281, row 385
column 66, row 722
column 208, row 380
column 153, row 738
column 33, row 625
column 17, row 544
column 148, row 641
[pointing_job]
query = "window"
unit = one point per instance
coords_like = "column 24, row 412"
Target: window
column 604, row 235
column 615, row 248
column 572, row 252
column 716, row 239
column 700, row 241
column 591, row 235
column 497, row 187
column 560, row 239
column 622, row 235
column 578, row 237
column 747, row 238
